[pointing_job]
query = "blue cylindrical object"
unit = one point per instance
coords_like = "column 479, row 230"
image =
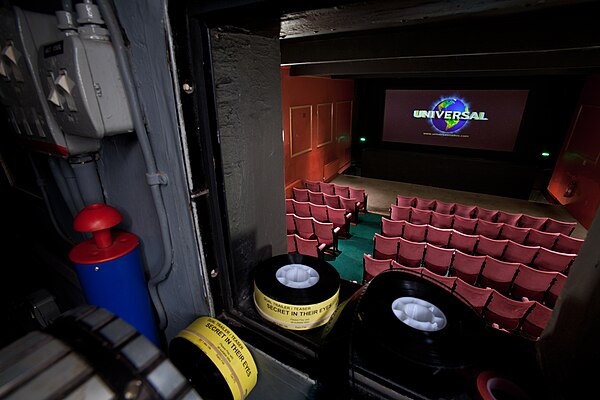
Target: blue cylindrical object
column 120, row 287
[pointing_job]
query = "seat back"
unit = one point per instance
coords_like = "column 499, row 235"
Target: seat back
column 410, row 253
column 315, row 197
column 289, row 206
column 464, row 225
column 341, row 190
column 536, row 320
column 438, row 236
column 314, row 186
column 498, row 274
column 319, row 212
column 291, row 243
column 350, row 205
column 443, row 207
column 542, row 239
column 508, row 218
column 445, row 282
column 405, row 201
column 507, row 313
column 465, row 211
column 304, row 226
column 385, row 248
column 491, row 247
column 463, row 242
column 529, row 221
column 486, row 214
column 531, row 283
column 514, row 233
column 549, row 260
column 420, row 217
column 467, row 267
column 416, row 271
column 324, row 232
column 373, row 267
column 567, row 244
column 301, row 208
column 440, row 220
column 391, row 228
column 308, row 247
column 474, row 296
column 300, row 194
column 424, row 204
column 520, row 253
column 361, row 195
column 564, row 227
column 327, row 188
column 414, row 232
column 340, row 218
column 555, row 289
column 436, row 259
column 290, row 224
column 400, row 213
column 332, row 200
column 488, row 229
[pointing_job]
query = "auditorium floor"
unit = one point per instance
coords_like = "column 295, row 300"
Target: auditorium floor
column 383, row 193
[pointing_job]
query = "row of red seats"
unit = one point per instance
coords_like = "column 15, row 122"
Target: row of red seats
column 512, row 279
column 544, row 224
column 341, row 190
column 501, row 249
column 350, row 204
column 493, row 230
column 311, row 228
column 524, row 317
column 321, row 212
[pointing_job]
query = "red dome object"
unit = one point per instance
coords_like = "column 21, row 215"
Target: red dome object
column 97, row 219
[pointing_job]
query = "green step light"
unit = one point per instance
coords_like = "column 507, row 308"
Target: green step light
column 545, row 154
column 363, row 139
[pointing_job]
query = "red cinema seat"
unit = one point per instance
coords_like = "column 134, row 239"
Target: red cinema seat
column 446, row 282
column 438, row 236
column 304, row 227
column 506, row 313
column 467, row 267
column 332, row 200
column 520, row 253
column 536, row 320
column 420, row 217
column 319, row 212
column 289, row 223
column 289, row 206
column 424, row 204
column 436, row 259
column 315, row 197
column 373, row 267
column 327, row 234
column 361, row 195
column 340, row 218
column 486, row 214
column 567, row 244
column 327, row 188
column 314, row 186
column 400, row 213
column 549, row 260
column 443, row 221
column 391, row 228
column 529, row 221
column 405, row 201
column 498, row 274
column 508, row 218
column 491, row 247
column 301, row 208
column 555, row 289
column 385, row 248
column 291, row 243
column 443, row 207
column 564, row 227
column 516, row 234
column 340, row 190
column 465, row 211
column 351, row 206
column 414, row 232
column 463, row 242
column 300, row 194
column 542, row 239
column 531, row 283
column 410, row 253
column 474, row 296
column 309, row 247
column 488, row 229
column 464, row 225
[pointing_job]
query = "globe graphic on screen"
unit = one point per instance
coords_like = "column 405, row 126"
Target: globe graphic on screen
column 449, row 125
